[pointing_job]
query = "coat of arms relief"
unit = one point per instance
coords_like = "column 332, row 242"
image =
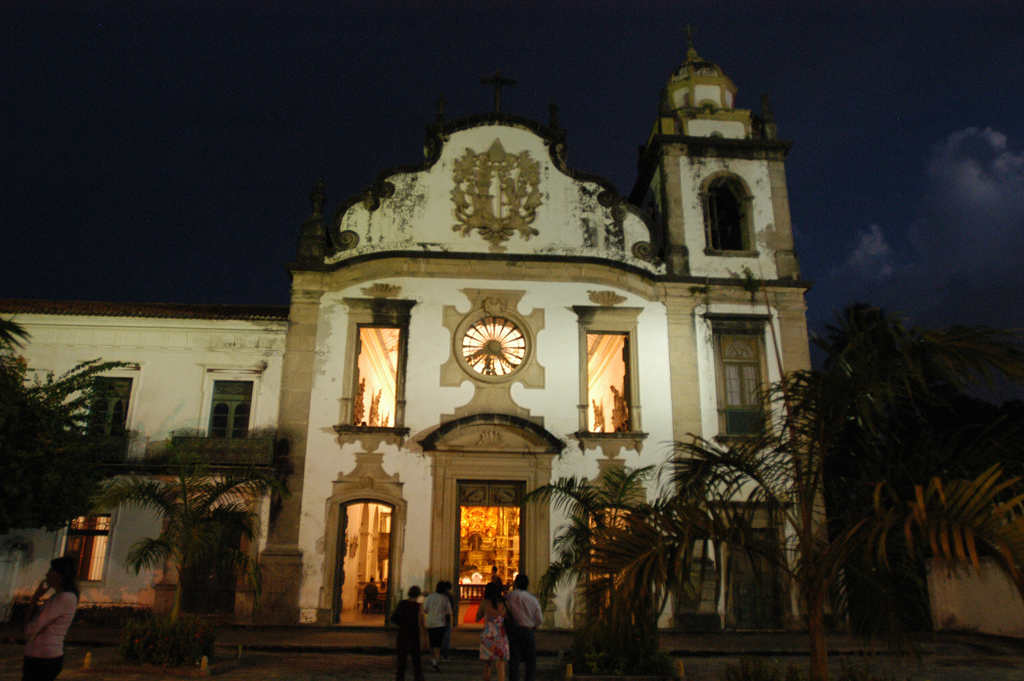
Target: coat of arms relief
column 496, row 194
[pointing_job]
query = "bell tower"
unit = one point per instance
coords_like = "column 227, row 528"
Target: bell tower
column 712, row 178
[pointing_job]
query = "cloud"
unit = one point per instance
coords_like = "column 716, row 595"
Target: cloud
column 972, row 215
column 872, row 258
column 965, row 260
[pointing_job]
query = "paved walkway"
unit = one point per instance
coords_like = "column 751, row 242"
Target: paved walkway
column 328, row 653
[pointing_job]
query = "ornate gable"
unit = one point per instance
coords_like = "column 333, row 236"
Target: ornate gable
column 493, row 185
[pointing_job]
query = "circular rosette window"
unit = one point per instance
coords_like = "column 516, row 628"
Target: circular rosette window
column 493, row 346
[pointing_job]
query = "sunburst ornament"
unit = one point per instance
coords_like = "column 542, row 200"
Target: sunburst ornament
column 493, row 346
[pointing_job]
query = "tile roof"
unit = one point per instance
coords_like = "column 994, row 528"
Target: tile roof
column 152, row 310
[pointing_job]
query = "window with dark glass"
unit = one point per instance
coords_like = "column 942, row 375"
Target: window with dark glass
column 108, row 414
column 726, row 229
column 229, row 413
column 739, row 395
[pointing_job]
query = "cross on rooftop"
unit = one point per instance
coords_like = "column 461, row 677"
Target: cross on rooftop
column 497, row 80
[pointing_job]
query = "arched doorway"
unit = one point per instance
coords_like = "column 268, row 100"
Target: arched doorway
column 363, row 572
column 365, row 518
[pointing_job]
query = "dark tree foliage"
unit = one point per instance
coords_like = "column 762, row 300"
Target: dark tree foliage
column 923, row 424
column 48, row 468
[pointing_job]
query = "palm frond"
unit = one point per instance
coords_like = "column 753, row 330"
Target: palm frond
column 148, row 553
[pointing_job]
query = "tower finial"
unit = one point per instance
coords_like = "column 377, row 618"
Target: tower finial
column 553, row 110
column 691, row 51
column 771, row 130
column 439, row 116
column 317, row 198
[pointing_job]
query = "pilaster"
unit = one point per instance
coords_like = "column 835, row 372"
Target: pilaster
column 281, row 560
column 682, row 349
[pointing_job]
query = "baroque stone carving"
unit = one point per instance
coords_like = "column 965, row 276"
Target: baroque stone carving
column 643, row 250
column 347, row 240
column 490, row 438
column 379, row 290
column 606, row 298
column 494, row 306
column 496, row 194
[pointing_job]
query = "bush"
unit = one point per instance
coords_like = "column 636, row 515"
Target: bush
column 159, row 641
column 116, row 614
column 111, row 613
column 601, row 655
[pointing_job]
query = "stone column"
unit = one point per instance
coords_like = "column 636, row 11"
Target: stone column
column 281, row 560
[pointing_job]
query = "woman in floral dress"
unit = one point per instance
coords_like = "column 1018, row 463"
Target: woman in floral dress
column 493, row 641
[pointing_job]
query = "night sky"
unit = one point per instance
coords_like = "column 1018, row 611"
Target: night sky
column 165, row 151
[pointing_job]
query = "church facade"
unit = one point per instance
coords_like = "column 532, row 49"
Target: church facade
column 491, row 320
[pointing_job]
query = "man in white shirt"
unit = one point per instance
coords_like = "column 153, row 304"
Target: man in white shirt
column 438, row 609
column 522, row 642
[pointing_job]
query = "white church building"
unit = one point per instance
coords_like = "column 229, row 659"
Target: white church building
column 464, row 331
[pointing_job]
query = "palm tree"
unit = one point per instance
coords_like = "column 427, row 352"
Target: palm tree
column 877, row 372
column 199, row 509
column 11, row 332
column 627, row 557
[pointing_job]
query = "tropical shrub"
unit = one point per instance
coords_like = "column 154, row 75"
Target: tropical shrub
column 161, row 641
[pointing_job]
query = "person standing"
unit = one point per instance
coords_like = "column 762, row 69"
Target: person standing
column 438, row 610
column 525, row 609
column 44, row 652
column 446, row 645
column 408, row 616
column 493, row 640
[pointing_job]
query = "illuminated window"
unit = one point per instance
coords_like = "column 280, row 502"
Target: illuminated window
column 377, row 376
column 609, row 392
column 108, row 413
column 87, row 542
column 230, row 411
column 374, row 385
column 726, row 215
column 608, row 382
column 494, row 346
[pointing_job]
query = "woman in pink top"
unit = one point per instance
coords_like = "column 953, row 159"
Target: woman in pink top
column 44, row 652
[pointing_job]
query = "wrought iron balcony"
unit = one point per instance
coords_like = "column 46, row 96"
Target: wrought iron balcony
column 223, row 451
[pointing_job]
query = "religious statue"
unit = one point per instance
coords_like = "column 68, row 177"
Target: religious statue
column 620, row 412
column 375, row 409
column 598, row 417
column 358, row 409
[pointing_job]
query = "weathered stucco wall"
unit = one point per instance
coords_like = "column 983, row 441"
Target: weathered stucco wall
column 983, row 600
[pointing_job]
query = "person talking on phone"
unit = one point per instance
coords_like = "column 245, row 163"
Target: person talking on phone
column 47, row 626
